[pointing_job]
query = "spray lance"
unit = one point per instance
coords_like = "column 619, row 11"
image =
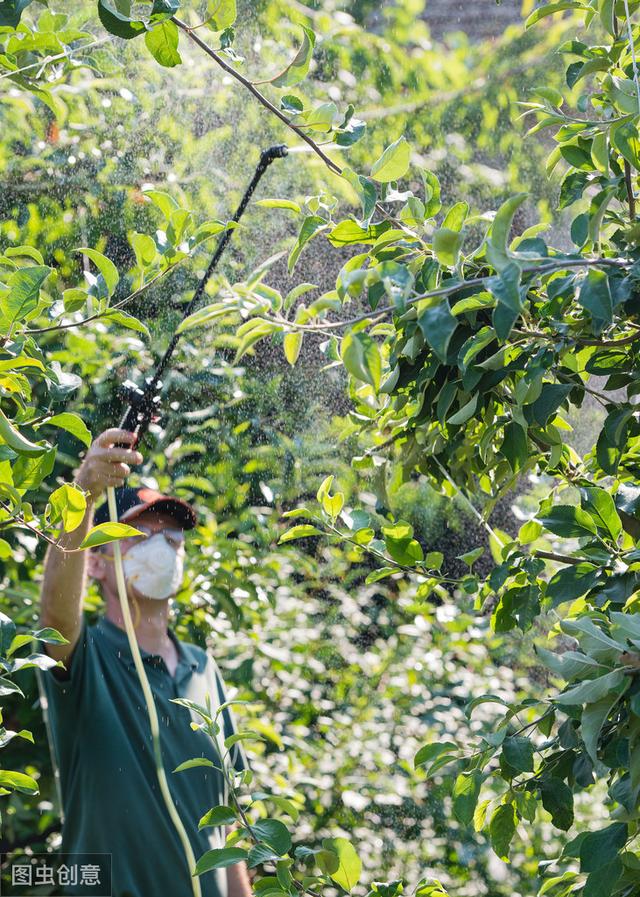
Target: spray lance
column 143, row 406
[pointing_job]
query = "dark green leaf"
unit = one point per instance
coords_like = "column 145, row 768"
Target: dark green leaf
column 600, row 848
column 502, row 828
column 568, row 521
column 557, row 799
column 438, row 326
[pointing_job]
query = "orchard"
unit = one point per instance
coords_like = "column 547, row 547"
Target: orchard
column 402, row 402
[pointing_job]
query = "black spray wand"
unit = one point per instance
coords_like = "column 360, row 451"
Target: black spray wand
column 144, row 401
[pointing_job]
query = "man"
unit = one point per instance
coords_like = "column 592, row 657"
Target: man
column 97, row 716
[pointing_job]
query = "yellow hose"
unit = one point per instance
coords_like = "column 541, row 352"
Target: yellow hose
column 148, row 696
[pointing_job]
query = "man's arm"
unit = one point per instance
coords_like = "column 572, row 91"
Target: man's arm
column 63, row 583
column 238, row 883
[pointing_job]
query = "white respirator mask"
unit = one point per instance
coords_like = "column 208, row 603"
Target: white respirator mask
column 154, row 567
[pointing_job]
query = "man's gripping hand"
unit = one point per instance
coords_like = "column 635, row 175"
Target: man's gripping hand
column 107, row 463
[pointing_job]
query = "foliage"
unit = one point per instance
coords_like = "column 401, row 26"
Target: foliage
column 465, row 351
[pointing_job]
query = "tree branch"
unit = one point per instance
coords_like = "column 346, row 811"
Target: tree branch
column 629, row 186
column 256, row 93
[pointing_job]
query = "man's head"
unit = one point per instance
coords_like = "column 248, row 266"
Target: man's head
column 153, row 563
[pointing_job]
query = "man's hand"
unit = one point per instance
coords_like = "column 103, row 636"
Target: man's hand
column 107, row 463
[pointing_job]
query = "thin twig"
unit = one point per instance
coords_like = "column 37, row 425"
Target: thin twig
column 257, row 94
column 559, row 558
column 629, row 185
column 49, row 59
column 107, row 312
column 459, row 286
column 632, row 47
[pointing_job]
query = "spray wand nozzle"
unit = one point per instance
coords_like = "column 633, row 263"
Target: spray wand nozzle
column 143, row 403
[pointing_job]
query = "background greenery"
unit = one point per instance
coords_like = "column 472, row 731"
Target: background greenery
column 350, row 678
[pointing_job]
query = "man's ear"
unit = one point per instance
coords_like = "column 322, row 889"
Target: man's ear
column 96, row 564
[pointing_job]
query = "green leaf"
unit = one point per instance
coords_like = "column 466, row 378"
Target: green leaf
column 72, row 423
column 126, row 320
column 105, row 266
column 550, row 8
column 438, row 326
column 568, row 521
column 434, row 560
column 365, row 189
column 221, row 14
column 547, row 403
column 349, row 867
column 456, row 216
column 29, row 471
column 593, row 718
column 600, row 505
column 220, row 858
column 74, row 299
column 598, row 849
column 529, row 532
column 515, row 446
column 571, row 582
column 298, row 68
column 108, row 532
column 70, row 505
column 431, row 752
column 361, row 357
column 204, row 315
column 506, row 289
column 470, row 557
column 393, row 164
column 626, row 140
column 117, row 22
column 18, row 781
column 432, row 203
column 292, row 346
column 592, row 639
column 518, row 752
column 465, row 795
column 381, row 573
column 251, row 332
column 14, row 439
column 162, row 42
column 274, row 833
column 401, row 545
column 144, row 248
column 324, row 487
column 11, row 12
column 24, row 293
column 595, row 296
column 593, row 690
column 447, row 245
column 349, row 232
column 221, row 815
column 299, row 532
column 502, row 828
column 311, row 227
column 262, row 853
column 557, row 799
column 7, row 633
column 603, row 882
column 465, row 413
column 500, row 229
column 195, row 763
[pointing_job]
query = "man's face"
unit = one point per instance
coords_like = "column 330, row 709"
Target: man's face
column 101, row 566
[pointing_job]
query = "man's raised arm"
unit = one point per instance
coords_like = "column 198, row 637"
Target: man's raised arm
column 63, row 584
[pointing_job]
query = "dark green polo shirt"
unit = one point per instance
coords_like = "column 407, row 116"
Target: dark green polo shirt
column 102, row 751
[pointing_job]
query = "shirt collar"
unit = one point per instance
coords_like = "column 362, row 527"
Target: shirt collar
column 118, row 639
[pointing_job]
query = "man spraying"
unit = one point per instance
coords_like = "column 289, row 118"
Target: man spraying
column 99, row 729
